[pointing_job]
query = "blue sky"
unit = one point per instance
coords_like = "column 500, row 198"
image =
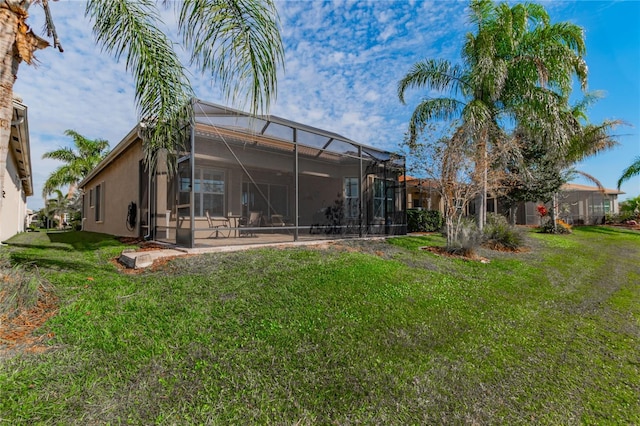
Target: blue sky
column 343, row 62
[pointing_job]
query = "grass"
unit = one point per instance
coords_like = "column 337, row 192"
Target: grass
column 360, row 332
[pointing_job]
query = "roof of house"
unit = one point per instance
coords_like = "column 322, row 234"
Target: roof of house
column 587, row 188
column 19, row 145
column 426, row 182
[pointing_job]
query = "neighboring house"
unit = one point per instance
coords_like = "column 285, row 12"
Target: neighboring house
column 265, row 178
column 423, row 193
column 17, row 181
column 577, row 204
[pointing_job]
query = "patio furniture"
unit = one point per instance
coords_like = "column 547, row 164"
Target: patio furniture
column 234, row 222
column 220, row 224
column 254, row 221
column 277, row 221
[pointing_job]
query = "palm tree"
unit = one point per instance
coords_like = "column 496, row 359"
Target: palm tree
column 629, row 172
column 235, row 41
column 516, row 67
column 57, row 208
column 78, row 163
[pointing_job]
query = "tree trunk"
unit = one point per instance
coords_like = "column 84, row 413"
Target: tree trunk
column 17, row 44
column 513, row 211
column 554, row 216
column 8, row 67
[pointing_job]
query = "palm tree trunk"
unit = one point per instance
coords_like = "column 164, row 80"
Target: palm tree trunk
column 483, row 209
column 482, row 213
column 8, row 30
column 17, row 43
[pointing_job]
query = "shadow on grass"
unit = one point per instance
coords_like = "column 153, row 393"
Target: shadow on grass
column 64, row 240
column 607, row 230
column 52, row 264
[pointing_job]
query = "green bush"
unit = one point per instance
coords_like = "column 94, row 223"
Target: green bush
column 466, row 237
column 498, row 233
column 621, row 217
column 561, row 228
column 424, row 220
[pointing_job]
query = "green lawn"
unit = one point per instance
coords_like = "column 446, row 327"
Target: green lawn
column 366, row 332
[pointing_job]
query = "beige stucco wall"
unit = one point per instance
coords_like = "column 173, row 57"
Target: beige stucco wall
column 13, row 204
column 120, row 186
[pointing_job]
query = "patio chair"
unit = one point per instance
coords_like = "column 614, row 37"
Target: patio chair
column 254, row 221
column 277, row 220
column 220, row 224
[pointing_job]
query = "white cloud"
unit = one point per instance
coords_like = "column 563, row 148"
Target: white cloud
column 343, row 62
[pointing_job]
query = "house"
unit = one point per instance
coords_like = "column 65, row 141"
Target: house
column 16, row 182
column 577, row 204
column 423, row 193
column 246, row 179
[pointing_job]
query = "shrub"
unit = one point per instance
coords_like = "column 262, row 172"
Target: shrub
column 424, row 220
column 20, row 289
column 561, row 228
column 621, row 217
column 499, row 234
column 466, row 239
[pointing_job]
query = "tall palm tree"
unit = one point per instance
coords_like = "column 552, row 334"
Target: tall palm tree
column 78, row 163
column 515, row 67
column 629, row 172
column 237, row 42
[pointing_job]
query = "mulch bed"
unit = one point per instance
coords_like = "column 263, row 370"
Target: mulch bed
column 17, row 333
column 442, row 251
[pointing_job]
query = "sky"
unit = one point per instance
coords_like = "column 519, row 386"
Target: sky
column 343, row 61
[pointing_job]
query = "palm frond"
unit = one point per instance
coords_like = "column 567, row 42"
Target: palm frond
column 629, row 172
column 239, row 43
column 438, row 75
column 572, row 172
column 162, row 89
column 432, row 109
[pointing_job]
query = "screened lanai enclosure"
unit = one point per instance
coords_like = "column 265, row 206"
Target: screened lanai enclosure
column 243, row 179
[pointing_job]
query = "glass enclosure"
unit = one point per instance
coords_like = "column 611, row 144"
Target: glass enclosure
column 245, row 180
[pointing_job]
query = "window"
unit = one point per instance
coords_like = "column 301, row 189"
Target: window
column 98, row 202
column 351, row 197
column 266, row 198
column 209, row 192
column 92, row 202
column 382, row 198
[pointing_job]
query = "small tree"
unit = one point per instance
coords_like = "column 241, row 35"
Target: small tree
column 450, row 162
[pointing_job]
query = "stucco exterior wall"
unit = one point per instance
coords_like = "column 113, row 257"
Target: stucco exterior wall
column 119, row 186
column 13, row 205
